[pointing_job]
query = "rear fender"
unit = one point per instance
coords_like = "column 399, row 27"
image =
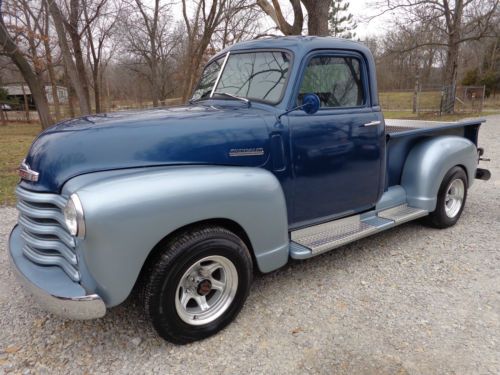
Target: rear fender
column 429, row 161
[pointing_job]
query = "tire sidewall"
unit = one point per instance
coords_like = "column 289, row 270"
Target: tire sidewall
column 165, row 317
column 442, row 219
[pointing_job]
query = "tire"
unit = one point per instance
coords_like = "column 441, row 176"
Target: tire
column 451, row 199
column 197, row 284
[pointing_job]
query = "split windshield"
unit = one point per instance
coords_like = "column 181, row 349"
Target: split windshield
column 257, row 76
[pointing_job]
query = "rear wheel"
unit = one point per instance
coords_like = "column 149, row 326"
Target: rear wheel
column 198, row 284
column 450, row 200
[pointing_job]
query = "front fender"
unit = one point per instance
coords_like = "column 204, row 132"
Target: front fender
column 128, row 213
column 427, row 164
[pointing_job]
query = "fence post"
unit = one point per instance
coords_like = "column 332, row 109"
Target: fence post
column 26, row 106
column 415, row 95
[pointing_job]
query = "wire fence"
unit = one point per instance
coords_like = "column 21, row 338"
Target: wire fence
column 438, row 100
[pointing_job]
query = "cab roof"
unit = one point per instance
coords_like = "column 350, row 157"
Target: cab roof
column 298, row 44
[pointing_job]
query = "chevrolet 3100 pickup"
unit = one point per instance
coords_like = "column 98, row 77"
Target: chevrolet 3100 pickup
column 282, row 153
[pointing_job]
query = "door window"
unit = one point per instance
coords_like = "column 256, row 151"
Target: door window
column 336, row 80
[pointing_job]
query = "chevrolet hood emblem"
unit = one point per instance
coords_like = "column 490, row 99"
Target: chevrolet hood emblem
column 26, row 173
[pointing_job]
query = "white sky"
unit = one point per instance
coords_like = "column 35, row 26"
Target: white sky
column 361, row 10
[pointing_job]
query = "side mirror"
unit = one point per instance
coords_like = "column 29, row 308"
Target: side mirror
column 310, row 104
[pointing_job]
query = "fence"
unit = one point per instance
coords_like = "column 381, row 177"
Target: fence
column 436, row 99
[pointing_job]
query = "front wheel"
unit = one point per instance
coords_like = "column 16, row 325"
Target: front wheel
column 450, row 200
column 198, row 284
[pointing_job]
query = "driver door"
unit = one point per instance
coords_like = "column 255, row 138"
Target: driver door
column 336, row 152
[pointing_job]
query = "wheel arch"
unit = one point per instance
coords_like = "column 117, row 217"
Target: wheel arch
column 228, row 224
column 427, row 164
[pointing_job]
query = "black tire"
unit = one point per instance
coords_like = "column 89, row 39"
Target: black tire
column 175, row 258
column 439, row 217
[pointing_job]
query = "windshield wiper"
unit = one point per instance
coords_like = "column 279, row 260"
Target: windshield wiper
column 245, row 100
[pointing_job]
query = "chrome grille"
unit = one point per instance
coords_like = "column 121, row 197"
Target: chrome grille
column 46, row 240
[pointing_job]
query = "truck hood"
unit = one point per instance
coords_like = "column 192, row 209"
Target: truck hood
column 193, row 134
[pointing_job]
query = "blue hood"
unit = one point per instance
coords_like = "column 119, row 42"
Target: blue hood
column 194, row 134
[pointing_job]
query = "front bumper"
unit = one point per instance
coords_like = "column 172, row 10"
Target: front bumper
column 51, row 287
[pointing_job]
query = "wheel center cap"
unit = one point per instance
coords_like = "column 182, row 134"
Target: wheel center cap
column 204, row 287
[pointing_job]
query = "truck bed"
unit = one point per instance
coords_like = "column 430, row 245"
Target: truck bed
column 393, row 126
column 402, row 135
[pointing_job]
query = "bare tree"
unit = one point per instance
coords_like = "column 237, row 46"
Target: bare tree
column 199, row 28
column 149, row 42
column 317, row 16
column 70, row 66
column 273, row 9
column 456, row 22
column 9, row 48
column 98, row 34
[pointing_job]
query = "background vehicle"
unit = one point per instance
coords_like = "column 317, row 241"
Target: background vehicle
column 282, row 153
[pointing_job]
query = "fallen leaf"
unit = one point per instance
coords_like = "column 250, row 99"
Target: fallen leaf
column 12, row 349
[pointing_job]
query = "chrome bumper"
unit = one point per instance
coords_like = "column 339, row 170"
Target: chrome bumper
column 51, row 287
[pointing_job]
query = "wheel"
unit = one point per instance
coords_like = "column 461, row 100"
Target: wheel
column 450, row 200
column 198, row 284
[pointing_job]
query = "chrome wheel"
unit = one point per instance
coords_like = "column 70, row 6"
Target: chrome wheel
column 454, row 198
column 206, row 290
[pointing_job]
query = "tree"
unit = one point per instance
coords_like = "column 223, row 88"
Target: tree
column 72, row 71
column 455, row 22
column 10, row 49
column 317, row 16
column 98, row 35
column 149, row 42
column 342, row 24
column 200, row 28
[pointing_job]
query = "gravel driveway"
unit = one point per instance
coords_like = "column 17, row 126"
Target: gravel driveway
column 411, row 300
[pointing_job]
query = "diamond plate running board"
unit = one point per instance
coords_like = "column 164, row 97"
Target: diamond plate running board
column 320, row 238
column 327, row 236
column 402, row 214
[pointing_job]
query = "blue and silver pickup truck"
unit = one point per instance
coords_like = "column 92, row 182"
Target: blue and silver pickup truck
column 282, row 153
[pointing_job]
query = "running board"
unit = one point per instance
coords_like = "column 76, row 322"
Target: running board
column 321, row 238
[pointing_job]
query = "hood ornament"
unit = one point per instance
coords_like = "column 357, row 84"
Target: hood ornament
column 26, row 173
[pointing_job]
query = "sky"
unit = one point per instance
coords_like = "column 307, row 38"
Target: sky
column 362, row 9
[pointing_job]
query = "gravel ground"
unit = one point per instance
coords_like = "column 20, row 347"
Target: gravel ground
column 412, row 300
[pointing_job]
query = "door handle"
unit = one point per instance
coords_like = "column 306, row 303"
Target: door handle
column 372, row 123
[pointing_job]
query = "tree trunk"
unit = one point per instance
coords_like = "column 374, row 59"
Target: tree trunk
column 317, row 11
column 68, row 60
column 97, row 89
column 10, row 48
column 72, row 29
column 50, row 66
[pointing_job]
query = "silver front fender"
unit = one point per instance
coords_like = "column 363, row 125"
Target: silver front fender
column 128, row 214
column 427, row 164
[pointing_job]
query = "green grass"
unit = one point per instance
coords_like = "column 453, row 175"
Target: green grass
column 15, row 140
column 399, row 100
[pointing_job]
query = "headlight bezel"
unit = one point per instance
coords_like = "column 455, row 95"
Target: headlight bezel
column 74, row 217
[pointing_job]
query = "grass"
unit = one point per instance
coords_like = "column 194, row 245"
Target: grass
column 15, row 140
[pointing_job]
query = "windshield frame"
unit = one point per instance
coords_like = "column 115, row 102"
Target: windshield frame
column 226, row 57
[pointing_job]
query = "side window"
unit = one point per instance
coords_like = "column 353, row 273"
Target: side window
column 336, row 80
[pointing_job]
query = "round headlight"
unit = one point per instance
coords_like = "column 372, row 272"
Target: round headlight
column 73, row 216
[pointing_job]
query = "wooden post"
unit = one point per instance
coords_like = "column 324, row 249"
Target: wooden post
column 415, row 95
column 26, row 105
column 2, row 115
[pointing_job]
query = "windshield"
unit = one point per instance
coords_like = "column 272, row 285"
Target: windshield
column 255, row 75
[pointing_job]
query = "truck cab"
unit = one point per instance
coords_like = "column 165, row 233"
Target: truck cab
column 281, row 153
